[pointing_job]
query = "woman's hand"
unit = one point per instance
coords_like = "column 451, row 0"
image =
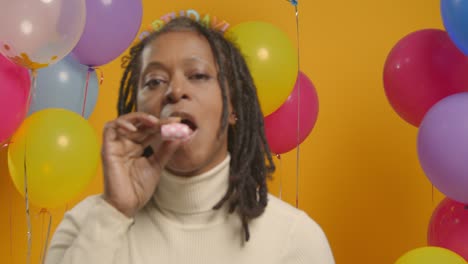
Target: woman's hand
column 130, row 179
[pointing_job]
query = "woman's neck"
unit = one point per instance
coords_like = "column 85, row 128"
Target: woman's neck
column 182, row 197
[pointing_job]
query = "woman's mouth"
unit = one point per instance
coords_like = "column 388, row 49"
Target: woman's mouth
column 189, row 123
column 187, row 120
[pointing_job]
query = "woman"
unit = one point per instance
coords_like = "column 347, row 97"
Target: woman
column 197, row 199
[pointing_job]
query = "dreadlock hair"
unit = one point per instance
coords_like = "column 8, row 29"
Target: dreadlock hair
column 251, row 161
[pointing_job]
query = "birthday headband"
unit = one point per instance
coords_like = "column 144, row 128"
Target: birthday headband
column 207, row 20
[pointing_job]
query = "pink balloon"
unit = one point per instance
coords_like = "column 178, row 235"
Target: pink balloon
column 423, row 68
column 448, row 227
column 281, row 126
column 14, row 91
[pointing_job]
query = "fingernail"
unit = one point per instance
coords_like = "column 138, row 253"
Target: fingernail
column 176, row 119
column 130, row 126
column 153, row 118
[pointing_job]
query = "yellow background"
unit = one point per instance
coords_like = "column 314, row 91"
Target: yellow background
column 359, row 174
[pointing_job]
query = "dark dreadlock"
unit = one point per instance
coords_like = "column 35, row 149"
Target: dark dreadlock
column 251, row 162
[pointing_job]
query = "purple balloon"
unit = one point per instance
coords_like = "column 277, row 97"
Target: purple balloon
column 443, row 146
column 111, row 26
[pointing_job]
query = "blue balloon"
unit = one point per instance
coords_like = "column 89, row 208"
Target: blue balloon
column 455, row 17
column 63, row 85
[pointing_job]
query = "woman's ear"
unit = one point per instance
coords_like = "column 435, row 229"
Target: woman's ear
column 232, row 118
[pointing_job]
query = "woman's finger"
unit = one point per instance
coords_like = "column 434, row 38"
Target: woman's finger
column 137, row 136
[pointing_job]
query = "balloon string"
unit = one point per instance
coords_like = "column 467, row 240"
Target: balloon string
column 31, row 96
column 11, row 224
column 40, row 214
column 88, row 74
column 32, row 91
column 46, row 241
column 26, row 200
column 101, row 73
column 298, row 108
column 280, row 194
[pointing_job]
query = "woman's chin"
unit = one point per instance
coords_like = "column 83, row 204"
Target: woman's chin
column 182, row 167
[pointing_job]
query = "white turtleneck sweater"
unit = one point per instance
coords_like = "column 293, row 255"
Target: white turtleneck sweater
column 179, row 226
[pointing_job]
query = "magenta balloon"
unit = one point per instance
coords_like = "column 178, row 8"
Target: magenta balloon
column 281, row 126
column 421, row 69
column 448, row 227
column 110, row 28
column 14, row 91
column 443, row 146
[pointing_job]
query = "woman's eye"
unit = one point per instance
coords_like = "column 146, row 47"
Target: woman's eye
column 199, row 76
column 154, row 83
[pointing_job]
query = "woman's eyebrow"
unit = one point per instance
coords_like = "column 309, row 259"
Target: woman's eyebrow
column 154, row 65
column 193, row 60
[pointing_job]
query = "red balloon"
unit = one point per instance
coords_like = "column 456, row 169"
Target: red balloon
column 448, row 227
column 423, row 68
column 14, row 92
column 281, row 126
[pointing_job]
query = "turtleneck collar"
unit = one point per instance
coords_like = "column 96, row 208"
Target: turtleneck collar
column 178, row 196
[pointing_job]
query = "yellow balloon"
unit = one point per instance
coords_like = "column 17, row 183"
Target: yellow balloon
column 60, row 152
column 272, row 60
column 431, row 255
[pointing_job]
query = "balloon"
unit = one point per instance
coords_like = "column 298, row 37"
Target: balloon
column 35, row 34
column 281, row 126
column 272, row 60
column 61, row 152
column 455, row 17
column 423, row 68
column 62, row 85
column 430, row 255
column 448, row 227
column 443, row 146
column 110, row 28
column 14, row 92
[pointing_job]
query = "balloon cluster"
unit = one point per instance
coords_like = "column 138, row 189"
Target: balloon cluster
column 60, row 42
column 288, row 98
column 426, row 82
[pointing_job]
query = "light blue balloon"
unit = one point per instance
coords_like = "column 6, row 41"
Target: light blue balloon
column 455, row 17
column 63, row 85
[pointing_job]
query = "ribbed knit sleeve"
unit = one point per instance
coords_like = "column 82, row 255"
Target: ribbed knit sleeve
column 92, row 232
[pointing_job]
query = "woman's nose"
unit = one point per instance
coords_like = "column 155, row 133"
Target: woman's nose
column 176, row 91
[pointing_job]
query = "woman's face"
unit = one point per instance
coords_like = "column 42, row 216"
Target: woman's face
column 179, row 78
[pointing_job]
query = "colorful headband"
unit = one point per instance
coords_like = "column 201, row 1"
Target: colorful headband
column 207, row 20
